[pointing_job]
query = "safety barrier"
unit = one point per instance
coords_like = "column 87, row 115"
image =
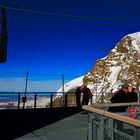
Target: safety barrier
column 19, row 100
column 104, row 125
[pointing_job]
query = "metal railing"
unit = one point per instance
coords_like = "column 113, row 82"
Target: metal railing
column 20, row 100
column 17, row 100
column 104, row 125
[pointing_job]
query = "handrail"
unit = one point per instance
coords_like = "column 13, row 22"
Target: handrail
column 115, row 116
column 53, row 99
column 114, row 104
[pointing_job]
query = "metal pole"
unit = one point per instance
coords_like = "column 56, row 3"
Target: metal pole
column 63, row 89
column 35, row 98
column 51, row 100
column 18, row 100
column 24, row 98
column 3, row 37
column 96, row 87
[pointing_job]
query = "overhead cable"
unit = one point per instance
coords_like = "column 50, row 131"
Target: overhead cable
column 66, row 15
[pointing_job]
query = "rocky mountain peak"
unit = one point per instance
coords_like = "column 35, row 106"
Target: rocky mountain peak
column 121, row 65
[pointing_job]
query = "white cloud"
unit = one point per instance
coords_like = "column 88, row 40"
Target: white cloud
column 18, row 85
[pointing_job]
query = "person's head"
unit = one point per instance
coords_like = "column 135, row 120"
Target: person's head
column 84, row 86
column 125, row 87
column 130, row 88
column 80, row 88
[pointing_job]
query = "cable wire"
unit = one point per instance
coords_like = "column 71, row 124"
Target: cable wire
column 67, row 15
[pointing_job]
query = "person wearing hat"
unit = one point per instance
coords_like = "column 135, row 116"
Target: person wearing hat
column 120, row 97
column 125, row 86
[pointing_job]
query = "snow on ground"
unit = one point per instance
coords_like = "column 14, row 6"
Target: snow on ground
column 72, row 85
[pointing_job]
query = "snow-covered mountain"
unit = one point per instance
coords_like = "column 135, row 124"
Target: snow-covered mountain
column 72, row 85
column 121, row 65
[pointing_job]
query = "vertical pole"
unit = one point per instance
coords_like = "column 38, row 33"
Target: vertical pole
column 51, row 100
column 63, row 89
column 18, row 100
column 65, row 100
column 3, row 37
column 101, row 127
column 90, row 127
column 138, row 88
column 137, row 133
column 102, row 99
column 35, row 98
column 24, row 99
column 96, row 87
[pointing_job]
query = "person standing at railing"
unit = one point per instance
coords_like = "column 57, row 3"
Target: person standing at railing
column 87, row 94
column 120, row 96
column 132, row 95
column 78, row 97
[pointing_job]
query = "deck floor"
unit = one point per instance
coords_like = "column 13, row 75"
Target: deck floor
column 71, row 128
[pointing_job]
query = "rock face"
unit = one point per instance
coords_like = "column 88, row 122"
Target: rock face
column 121, row 65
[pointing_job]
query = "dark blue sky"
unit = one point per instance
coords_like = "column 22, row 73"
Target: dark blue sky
column 65, row 36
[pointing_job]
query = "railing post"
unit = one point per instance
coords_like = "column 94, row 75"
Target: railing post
column 18, row 100
column 35, row 98
column 51, row 100
column 91, row 100
column 101, row 128
column 94, row 128
column 102, row 99
column 24, row 99
column 112, row 125
column 139, row 96
column 90, row 127
column 65, row 100
column 137, row 133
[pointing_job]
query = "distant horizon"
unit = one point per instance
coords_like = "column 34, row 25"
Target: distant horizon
column 17, row 84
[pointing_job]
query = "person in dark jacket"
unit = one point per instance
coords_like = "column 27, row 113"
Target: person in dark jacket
column 86, row 97
column 120, row 97
column 132, row 95
column 78, row 97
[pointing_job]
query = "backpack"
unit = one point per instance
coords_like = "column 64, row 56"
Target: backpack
column 89, row 94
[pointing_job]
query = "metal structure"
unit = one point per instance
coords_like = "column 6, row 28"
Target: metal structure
column 104, row 125
column 3, row 36
column 17, row 100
